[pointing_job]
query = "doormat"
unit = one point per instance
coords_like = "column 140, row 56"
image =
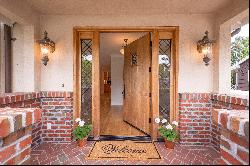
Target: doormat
column 124, row 150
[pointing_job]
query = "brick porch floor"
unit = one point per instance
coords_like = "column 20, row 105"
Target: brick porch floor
column 65, row 154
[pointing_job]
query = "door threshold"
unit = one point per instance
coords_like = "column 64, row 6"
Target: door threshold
column 120, row 138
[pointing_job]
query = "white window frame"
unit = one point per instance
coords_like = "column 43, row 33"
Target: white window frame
column 240, row 93
column 224, row 62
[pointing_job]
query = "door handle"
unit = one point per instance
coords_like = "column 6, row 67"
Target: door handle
column 123, row 92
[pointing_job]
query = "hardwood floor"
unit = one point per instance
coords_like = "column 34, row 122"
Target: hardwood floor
column 112, row 120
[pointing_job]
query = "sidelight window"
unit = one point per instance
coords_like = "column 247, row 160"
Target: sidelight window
column 86, row 80
column 164, row 77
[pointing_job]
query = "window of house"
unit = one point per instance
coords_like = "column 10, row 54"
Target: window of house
column 8, row 58
column 240, row 58
column 5, row 58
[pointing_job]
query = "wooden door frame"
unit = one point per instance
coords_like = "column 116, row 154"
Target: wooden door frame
column 94, row 31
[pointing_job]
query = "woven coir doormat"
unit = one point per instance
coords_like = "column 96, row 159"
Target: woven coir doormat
column 124, row 150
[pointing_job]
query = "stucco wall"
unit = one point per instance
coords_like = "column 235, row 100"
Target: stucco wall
column 194, row 76
column 23, row 63
column 224, row 54
column 26, row 53
column 225, row 20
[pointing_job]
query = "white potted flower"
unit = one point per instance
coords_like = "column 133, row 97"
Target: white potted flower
column 81, row 132
column 168, row 132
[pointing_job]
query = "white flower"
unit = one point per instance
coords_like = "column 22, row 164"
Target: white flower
column 169, row 127
column 81, row 123
column 78, row 120
column 175, row 123
column 157, row 120
column 164, row 121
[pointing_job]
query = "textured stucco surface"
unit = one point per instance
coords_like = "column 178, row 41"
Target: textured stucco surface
column 222, row 72
column 194, row 76
column 227, row 18
column 26, row 55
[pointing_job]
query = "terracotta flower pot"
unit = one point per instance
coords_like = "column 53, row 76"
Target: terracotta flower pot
column 82, row 142
column 169, row 144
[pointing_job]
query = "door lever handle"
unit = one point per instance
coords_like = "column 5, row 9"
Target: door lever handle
column 123, row 92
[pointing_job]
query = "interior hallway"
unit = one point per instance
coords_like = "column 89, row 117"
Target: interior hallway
column 112, row 120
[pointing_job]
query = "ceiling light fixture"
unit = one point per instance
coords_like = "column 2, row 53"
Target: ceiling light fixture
column 122, row 49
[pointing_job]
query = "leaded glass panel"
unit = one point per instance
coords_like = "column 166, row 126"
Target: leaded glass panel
column 86, row 80
column 164, row 77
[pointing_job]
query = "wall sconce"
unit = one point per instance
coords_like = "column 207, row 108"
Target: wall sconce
column 122, row 49
column 204, row 46
column 47, row 46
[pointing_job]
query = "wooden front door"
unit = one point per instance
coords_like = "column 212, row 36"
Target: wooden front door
column 137, row 61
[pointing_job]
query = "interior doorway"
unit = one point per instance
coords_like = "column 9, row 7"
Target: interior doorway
column 146, row 102
column 118, row 117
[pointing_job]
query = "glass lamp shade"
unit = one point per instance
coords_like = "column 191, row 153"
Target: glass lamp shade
column 44, row 49
column 206, row 49
column 204, row 46
column 122, row 51
column 47, row 45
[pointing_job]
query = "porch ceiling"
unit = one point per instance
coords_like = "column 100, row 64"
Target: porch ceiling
column 128, row 6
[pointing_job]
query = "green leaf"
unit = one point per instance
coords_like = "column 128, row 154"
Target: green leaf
column 170, row 135
column 80, row 133
column 239, row 49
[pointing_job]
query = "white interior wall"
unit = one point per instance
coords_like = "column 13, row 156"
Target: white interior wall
column 117, row 62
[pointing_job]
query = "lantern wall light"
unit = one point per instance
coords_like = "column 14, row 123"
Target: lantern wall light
column 47, row 46
column 204, row 46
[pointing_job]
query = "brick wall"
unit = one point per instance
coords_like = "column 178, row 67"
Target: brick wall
column 229, row 102
column 36, row 134
column 17, row 100
column 234, row 142
column 194, row 118
column 224, row 102
column 16, row 150
column 25, row 100
column 16, row 133
column 195, row 110
column 58, row 112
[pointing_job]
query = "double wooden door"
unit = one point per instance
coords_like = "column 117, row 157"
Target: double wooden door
column 136, row 75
